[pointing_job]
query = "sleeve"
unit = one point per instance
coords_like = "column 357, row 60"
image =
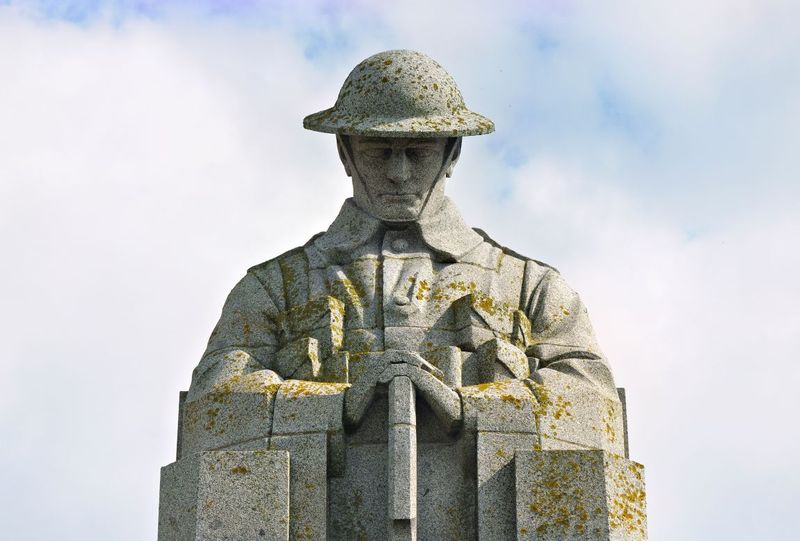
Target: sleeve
column 244, row 340
column 562, row 336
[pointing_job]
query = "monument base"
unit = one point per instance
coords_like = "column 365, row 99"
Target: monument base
column 225, row 495
column 556, row 495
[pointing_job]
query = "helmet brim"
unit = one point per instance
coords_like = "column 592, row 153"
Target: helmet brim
column 459, row 124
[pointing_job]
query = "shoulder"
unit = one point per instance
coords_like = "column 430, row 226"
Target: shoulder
column 290, row 257
column 271, row 264
column 273, row 274
column 532, row 264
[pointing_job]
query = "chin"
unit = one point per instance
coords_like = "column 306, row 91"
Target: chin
column 404, row 214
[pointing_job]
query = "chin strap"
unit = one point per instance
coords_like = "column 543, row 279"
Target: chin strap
column 450, row 147
column 348, row 152
column 448, row 156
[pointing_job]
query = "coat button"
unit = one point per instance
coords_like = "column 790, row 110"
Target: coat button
column 400, row 299
column 399, row 245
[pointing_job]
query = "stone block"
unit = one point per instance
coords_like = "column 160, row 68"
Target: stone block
column 573, row 412
column 336, row 368
column 308, row 486
column 308, row 424
column 446, row 495
column 448, row 361
column 358, row 506
column 445, row 492
column 299, row 355
column 238, row 410
column 321, row 318
column 503, row 406
column 301, row 360
column 402, row 456
column 495, row 472
column 477, row 309
column 307, row 406
column 224, row 496
column 500, row 360
column 587, row 495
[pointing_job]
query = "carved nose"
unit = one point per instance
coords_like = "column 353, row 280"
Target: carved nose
column 399, row 170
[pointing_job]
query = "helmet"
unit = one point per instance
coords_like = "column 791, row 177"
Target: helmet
column 399, row 94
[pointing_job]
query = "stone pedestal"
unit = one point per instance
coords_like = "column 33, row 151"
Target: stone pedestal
column 578, row 496
column 533, row 460
column 225, row 495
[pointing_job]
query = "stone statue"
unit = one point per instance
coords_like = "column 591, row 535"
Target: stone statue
column 402, row 375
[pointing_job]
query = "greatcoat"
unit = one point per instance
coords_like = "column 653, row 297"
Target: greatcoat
column 431, row 284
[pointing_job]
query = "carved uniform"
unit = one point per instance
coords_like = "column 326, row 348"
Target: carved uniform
column 432, row 285
column 478, row 407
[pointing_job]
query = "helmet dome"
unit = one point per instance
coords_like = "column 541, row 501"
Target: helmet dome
column 399, row 93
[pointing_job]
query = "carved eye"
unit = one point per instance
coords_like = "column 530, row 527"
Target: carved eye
column 420, row 153
column 377, row 153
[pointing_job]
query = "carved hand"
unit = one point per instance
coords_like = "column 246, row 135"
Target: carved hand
column 427, row 379
column 360, row 394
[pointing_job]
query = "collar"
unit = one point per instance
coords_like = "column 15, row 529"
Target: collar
column 444, row 232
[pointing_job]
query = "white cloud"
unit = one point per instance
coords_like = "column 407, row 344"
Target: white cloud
column 140, row 180
column 144, row 166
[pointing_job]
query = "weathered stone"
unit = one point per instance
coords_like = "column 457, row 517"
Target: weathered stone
column 474, row 321
column 308, row 481
column 308, row 406
column 403, row 84
column 358, row 505
column 427, row 379
column 577, row 413
column 495, row 457
column 448, row 360
column 225, row 495
column 402, row 460
column 237, row 410
column 446, row 483
column 503, row 406
column 307, row 423
column 406, row 364
column 624, row 403
column 500, row 360
column 322, row 319
column 586, row 495
column 300, row 359
column 336, row 368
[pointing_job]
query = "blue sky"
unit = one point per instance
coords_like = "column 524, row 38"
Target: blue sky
column 150, row 152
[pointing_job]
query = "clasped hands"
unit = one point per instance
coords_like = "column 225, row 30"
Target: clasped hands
column 427, row 379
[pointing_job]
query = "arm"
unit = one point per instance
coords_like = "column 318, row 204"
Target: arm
column 244, row 340
column 562, row 335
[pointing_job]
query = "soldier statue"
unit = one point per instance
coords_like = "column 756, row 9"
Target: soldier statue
column 397, row 375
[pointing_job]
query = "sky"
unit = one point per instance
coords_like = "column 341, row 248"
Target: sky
column 150, row 152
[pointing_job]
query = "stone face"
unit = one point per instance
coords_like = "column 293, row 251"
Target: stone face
column 225, row 495
column 579, row 496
